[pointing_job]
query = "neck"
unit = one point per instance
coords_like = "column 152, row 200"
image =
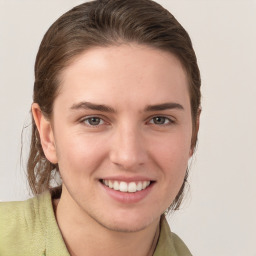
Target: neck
column 84, row 236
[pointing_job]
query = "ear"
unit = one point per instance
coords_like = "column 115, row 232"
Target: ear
column 195, row 133
column 45, row 130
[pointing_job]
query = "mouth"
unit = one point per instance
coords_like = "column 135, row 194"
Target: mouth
column 126, row 187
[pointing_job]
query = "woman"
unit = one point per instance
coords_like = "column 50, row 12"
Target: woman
column 116, row 114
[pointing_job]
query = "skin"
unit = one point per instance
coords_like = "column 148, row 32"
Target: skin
column 131, row 140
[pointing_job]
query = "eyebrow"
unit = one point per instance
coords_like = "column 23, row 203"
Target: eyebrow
column 92, row 106
column 164, row 106
column 104, row 108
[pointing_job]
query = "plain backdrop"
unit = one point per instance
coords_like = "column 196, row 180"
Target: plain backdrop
column 218, row 217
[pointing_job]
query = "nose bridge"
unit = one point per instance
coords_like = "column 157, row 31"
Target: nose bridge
column 128, row 149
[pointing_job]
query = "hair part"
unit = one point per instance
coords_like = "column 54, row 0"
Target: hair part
column 104, row 23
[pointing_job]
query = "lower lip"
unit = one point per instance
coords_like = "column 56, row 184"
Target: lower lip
column 126, row 197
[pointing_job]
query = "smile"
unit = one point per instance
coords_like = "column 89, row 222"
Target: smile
column 130, row 187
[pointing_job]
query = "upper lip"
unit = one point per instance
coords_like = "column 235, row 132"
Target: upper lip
column 128, row 179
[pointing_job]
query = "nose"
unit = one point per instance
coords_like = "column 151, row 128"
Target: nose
column 128, row 149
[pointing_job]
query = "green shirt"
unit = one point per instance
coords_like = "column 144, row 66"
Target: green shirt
column 29, row 228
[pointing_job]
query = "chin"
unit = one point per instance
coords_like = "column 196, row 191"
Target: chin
column 125, row 227
column 126, row 222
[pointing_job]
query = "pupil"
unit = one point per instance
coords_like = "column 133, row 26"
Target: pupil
column 94, row 121
column 159, row 120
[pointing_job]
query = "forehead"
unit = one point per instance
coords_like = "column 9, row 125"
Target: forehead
column 124, row 72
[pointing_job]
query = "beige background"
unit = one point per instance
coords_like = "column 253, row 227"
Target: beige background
column 219, row 216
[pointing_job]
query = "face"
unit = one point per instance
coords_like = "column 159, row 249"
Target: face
column 121, row 131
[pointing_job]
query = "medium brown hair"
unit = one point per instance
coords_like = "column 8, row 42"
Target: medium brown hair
column 104, row 23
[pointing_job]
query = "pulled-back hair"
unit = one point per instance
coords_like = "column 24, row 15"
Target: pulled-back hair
column 104, row 23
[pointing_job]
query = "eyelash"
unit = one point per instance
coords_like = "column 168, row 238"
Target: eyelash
column 88, row 119
column 165, row 121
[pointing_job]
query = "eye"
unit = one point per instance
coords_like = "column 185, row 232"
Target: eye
column 93, row 121
column 160, row 120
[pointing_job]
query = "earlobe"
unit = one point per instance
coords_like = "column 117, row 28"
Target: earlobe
column 45, row 130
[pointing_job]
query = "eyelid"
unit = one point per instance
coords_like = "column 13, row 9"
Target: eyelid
column 170, row 119
column 83, row 119
column 106, row 122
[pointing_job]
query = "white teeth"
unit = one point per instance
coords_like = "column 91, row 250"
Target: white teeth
column 132, row 187
column 123, row 186
column 145, row 184
column 139, row 186
column 116, row 185
column 110, row 184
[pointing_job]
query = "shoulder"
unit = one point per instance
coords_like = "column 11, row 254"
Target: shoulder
column 20, row 225
column 169, row 243
column 180, row 246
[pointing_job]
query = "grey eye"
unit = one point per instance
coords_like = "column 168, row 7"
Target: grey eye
column 160, row 120
column 93, row 121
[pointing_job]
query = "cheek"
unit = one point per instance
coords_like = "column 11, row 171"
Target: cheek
column 172, row 156
column 173, row 149
column 79, row 155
